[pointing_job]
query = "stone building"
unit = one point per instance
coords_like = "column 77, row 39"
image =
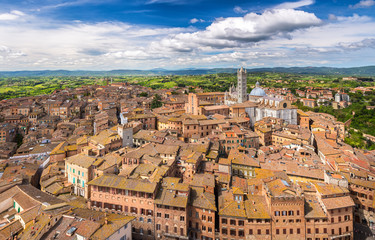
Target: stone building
column 171, row 209
column 198, row 100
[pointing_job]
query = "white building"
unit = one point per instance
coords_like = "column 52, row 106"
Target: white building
column 265, row 106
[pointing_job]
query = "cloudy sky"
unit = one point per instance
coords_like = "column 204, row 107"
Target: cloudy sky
column 176, row 34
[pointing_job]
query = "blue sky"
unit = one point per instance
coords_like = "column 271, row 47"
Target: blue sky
column 175, row 34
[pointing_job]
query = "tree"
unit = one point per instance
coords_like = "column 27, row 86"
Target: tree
column 156, row 102
column 19, row 139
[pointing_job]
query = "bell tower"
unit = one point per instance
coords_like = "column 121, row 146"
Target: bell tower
column 241, row 85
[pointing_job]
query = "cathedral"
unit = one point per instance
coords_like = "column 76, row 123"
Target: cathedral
column 237, row 94
column 257, row 104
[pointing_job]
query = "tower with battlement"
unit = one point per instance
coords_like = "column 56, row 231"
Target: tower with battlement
column 126, row 134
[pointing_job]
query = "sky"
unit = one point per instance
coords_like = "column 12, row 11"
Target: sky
column 182, row 34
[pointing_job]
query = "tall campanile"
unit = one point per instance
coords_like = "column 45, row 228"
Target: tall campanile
column 241, row 85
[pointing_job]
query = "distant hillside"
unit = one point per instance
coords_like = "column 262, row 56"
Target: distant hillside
column 355, row 71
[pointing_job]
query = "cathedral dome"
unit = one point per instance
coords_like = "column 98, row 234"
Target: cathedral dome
column 258, row 91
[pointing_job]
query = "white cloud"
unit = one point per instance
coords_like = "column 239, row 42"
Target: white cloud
column 364, row 4
column 6, row 52
column 239, row 10
column 13, row 15
column 240, row 31
column 277, row 37
column 293, row 5
column 332, row 17
column 365, row 43
column 195, row 20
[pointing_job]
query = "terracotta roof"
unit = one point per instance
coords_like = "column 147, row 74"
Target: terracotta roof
column 87, row 228
column 338, row 202
column 201, row 199
column 313, row 208
column 239, row 158
column 115, row 222
column 171, row 196
column 326, row 189
column 123, row 183
column 256, row 207
column 9, row 229
column 81, row 160
column 201, row 180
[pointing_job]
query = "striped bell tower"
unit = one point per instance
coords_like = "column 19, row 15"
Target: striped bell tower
column 241, row 85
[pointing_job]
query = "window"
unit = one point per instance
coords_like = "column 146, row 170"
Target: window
column 182, row 218
column 224, row 231
column 291, row 231
column 277, row 231
column 347, row 229
column 232, row 222
column 166, row 215
column 157, row 226
column 267, row 231
column 224, row 221
column 241, row 233
column 196, row 215
column 297, row 212
column 259, row 231
column 241, row 223
column 340, row 219
column 332, row 220
column 209, row 219
column 308, row 230
column 284, row 231
column 210, row 230
column 166, row 229
column 250, row 231
column 298, row 231
column 332, row 231
column 149, row 220
column 149, row 232
column 175, row 229
column 325, row 230
column 158, row 214
column 316, row 230
column 181, row 231
column 233, row 232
